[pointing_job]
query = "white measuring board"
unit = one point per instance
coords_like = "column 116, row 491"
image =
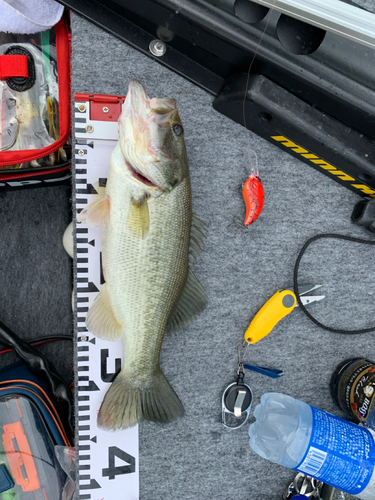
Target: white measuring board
column 107, row 460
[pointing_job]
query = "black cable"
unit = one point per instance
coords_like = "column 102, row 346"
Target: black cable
column 40, row 341
column 295, row 279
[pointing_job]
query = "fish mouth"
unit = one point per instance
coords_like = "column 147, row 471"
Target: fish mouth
column 141, row 177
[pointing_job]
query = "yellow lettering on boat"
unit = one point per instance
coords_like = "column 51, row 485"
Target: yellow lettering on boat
column 365, row 189
column 323, row 164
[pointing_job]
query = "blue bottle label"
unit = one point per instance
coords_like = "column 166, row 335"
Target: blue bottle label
column 339, row 453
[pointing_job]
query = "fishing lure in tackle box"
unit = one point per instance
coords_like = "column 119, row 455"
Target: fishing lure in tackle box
column 35, row 113
column 31, row 429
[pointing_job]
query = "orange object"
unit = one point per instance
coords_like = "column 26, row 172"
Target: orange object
column 253, row 195
column 19, row 456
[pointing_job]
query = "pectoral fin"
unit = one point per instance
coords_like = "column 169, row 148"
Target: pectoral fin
column 95, row 212
column 100, row 319
column 139, row 218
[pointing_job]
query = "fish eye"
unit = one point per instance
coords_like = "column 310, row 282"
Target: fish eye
column 177, row 129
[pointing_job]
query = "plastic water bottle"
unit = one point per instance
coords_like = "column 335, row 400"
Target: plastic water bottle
column 316, row 443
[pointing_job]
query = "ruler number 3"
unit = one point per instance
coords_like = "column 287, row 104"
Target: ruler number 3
column 112, row 470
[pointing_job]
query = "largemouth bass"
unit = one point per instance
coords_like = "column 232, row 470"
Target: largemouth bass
column 150, row 239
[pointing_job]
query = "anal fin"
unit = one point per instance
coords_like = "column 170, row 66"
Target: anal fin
column 100, row 319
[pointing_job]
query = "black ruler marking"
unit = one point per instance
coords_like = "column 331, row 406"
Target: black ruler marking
column 83, row 260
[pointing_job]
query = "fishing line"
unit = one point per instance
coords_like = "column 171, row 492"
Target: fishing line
column 250, row 66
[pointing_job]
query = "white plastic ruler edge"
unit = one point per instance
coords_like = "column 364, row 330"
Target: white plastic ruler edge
column 107, row 461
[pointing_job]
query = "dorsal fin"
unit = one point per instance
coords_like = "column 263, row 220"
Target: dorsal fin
column 197, row 235
column 192, row 302
column 193, row 298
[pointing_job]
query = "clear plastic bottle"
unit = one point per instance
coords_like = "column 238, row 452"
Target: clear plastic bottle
column 299, row 436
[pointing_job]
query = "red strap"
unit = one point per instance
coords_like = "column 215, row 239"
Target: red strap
column 13, row 65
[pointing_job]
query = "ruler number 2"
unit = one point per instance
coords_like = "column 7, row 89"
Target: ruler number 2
column 112, row 470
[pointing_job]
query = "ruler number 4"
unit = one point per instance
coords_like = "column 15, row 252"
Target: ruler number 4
column 112, row 470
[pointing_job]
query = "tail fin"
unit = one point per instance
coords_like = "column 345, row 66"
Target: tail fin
column 125, row 404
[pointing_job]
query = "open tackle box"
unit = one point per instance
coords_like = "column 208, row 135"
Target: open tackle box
column 30, row 430
column 35, row 115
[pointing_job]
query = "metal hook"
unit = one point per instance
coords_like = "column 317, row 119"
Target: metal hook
column 236, row 222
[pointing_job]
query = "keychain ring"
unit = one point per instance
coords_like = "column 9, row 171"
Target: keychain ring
column 225, row 410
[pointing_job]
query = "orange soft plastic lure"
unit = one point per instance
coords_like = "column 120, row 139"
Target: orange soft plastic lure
column 253, row 195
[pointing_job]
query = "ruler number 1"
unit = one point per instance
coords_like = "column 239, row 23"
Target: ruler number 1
column 112, row 470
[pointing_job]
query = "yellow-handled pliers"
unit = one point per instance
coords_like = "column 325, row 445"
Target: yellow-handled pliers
column 279, row 305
